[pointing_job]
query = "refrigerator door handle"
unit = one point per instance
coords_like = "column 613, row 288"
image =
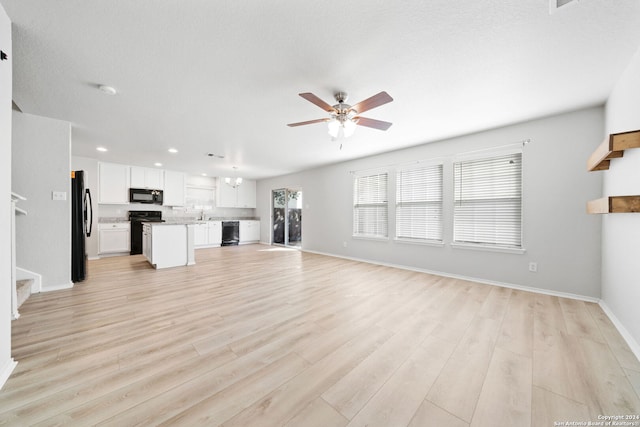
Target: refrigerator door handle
column 89, row 207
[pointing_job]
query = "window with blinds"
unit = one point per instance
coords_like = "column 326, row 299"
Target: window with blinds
column 419, row 203
column 488, row 201
column 370, row 213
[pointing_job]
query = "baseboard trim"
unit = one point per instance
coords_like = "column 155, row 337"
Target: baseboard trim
column 6, row 371
column 467, row 278
column 631, row 342
column 57, row 287
column 109, row 255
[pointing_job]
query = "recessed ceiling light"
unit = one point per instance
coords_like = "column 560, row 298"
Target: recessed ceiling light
column 157, row 164
column 173, row 150
column 107, row 89
column 101, row 149
column 203, row 174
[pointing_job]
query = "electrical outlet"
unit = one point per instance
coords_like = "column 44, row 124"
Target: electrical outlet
column 533, row 267
column 344, row 244
column 58, row 195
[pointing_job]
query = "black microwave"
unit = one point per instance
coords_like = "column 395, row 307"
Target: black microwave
column 145, row 195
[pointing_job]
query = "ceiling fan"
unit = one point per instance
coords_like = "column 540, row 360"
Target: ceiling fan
column 344, row 117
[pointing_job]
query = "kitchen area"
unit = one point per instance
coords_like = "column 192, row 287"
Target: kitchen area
column 166, row 215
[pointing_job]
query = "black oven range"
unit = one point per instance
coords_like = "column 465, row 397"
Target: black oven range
column 137, row 218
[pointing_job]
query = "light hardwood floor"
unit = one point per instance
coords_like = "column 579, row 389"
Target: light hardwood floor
column 262, row 336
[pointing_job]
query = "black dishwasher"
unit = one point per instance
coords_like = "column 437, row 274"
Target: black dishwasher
column 230, row 233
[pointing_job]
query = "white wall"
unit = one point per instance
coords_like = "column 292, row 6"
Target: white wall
column 6, row 361
column 621, row 232
column 41, row 164
column 558, row 234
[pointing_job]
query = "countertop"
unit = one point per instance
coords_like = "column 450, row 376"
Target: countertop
column 111, row 220
column 156, row 223
column 191, row 220
column 250, row 218
column 182, row 220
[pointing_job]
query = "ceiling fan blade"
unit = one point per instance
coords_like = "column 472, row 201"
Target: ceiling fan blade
column 308, row 122
column 372, row 123
column 319, row 102
column 373, row 102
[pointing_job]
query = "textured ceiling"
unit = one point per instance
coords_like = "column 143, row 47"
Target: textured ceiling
column 224, row 77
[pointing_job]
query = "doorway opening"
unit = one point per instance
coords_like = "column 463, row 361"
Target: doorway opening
column 287, row 217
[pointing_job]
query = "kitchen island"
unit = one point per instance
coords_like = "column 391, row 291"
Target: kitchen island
column 168, row 244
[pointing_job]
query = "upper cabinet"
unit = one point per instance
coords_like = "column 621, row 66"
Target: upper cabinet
column 147, row 178
column 247, row 194
column 226, row 195
column 113, row 183
column 242, row 196
column 174, row 188
column 115, row 180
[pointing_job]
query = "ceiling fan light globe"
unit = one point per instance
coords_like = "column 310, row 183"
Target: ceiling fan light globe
column 227, row 180
column 238, row 180
column 349, row 128
column 334, row 128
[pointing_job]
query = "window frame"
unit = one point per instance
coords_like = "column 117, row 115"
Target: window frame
column 380, row 203
column 495, row 245
column 425, row 202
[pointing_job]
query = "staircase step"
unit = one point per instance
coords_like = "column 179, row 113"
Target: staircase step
column 23, row 289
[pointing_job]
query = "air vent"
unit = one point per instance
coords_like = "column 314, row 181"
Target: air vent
column 554, row 5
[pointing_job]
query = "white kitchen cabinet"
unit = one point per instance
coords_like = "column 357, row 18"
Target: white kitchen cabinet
column 142, row 177
column 168, row 245
column 243, row 196
column 226, row 195
column 215, row 233
column 114, row 237
column 249, row 231
column 174, row 188
column 246, row 194
column 113, row 183
column 207, row 234
column 201, row 234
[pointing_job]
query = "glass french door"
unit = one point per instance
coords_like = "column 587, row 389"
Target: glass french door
column 287, row 217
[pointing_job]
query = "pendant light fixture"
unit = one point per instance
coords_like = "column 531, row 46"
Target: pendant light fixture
column 233, row 182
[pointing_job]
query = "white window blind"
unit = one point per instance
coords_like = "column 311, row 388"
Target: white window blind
column 419, row 203
column 488, row 201
column 370, row 215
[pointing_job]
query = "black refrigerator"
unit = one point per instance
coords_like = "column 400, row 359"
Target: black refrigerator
column 81, row 224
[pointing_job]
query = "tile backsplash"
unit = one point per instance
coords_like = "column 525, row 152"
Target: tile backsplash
column 122, row 211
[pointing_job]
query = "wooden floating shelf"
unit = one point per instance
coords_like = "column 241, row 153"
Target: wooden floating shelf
column 614, row 204
column 611, row 148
